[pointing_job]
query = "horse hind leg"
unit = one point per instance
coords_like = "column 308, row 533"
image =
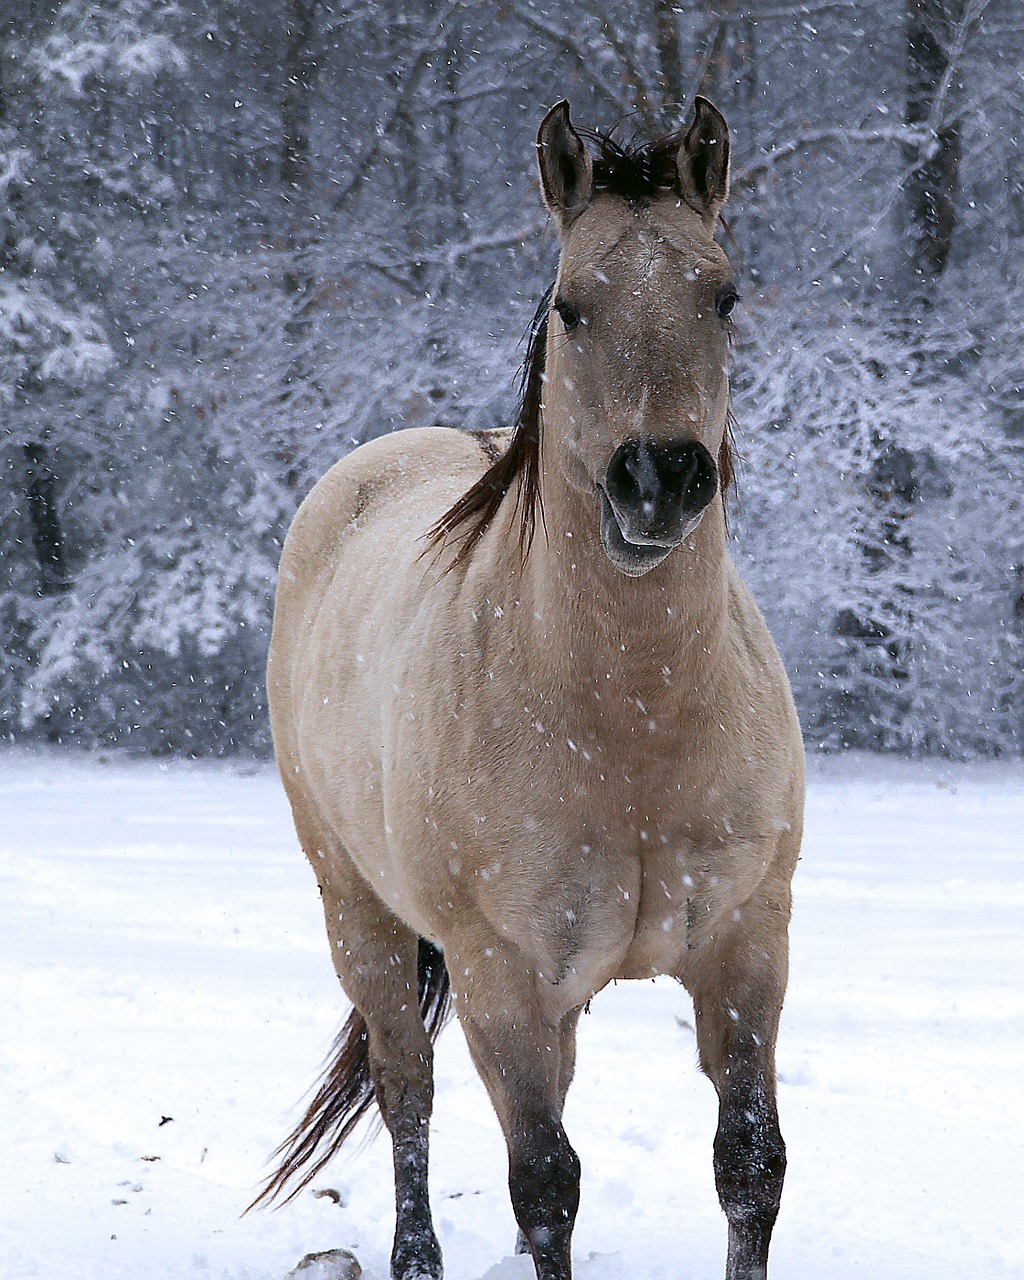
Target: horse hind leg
column 398, row 986
column 401, row 1067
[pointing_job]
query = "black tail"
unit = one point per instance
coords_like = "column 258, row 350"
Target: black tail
column 346, row 1091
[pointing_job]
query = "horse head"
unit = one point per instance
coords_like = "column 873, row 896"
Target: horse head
column 637, row 389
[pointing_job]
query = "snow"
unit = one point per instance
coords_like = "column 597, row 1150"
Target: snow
column 163, row 956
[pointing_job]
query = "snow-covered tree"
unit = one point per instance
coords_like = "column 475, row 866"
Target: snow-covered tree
column 237, row 240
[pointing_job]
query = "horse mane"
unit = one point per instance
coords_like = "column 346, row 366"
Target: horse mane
column 520, row 461
column 633, row 171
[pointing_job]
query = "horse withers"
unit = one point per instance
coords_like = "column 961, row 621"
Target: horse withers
column 533, row 728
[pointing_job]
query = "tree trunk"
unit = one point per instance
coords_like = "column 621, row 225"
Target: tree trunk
column 40, row 480
column 931, row 188
column 454, row 182
column 44, row 516
column 715, row 66
column 300, row 72
column 666, row 36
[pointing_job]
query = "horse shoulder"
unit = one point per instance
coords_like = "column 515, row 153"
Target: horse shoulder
column 429, row 465
column 386, row 468
column 408, row 477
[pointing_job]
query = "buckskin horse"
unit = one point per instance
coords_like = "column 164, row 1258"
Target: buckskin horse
column 532, row 726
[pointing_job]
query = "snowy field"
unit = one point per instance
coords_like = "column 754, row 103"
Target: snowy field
column 167, row 998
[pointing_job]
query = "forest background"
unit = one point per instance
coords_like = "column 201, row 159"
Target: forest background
column 238, row 239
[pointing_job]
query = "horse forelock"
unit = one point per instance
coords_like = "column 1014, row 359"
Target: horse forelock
column 635, row 170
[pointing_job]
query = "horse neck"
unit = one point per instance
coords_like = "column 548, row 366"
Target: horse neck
column 659, row 637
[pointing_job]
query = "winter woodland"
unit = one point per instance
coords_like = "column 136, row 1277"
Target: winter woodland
column 238, row 239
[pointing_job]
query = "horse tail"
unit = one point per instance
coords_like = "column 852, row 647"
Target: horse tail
column 346, row 1089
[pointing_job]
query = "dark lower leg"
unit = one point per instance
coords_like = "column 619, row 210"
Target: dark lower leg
column 566, row 1067
column 403, row 1079
column 737, row 1024
column 517, row 1052
column 377, row 959
column 750, row 1164
column 544, row 1182
column 416, row 1252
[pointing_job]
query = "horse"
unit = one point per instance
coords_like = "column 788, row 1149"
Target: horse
column 533, row 728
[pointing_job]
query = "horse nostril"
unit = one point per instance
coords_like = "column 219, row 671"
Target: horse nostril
column 633, row 475
column 648, row 477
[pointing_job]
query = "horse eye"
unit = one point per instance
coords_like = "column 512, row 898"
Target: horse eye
column 725, row 302
column 570, row 316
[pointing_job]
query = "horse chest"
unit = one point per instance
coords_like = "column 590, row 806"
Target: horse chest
column 596, row 891
column 598, row 826
column 690, row 891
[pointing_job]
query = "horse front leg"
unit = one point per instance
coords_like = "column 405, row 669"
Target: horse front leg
column 566, row 1068
column 518, row 1052
column 737, row 1010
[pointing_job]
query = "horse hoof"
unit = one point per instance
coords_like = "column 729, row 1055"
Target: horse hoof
column 330, row 1264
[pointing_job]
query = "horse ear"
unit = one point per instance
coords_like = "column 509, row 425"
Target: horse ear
column 566, row 170
column 703, row 161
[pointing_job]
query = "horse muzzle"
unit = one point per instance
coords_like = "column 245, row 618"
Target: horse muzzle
column 653, row 496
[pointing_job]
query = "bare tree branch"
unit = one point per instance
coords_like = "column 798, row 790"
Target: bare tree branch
column 583, row 57
column 454, row 254
column 385, row 126
column 812, row 138
column 759, row 14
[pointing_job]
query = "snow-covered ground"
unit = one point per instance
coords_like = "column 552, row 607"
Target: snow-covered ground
column 167, row 998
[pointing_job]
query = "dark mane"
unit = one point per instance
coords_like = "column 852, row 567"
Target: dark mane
column 520, row 462
column 633, row 171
